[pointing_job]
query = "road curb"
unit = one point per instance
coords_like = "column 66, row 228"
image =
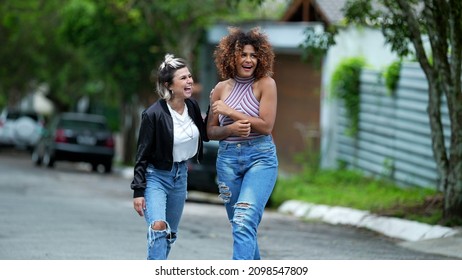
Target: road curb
column 393, row 227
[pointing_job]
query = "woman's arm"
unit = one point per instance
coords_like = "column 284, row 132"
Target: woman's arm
column 214, row 130
column 266, row 89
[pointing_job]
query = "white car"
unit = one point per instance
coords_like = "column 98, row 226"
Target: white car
column 20, row 129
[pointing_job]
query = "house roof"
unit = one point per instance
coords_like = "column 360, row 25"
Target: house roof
column 284, row 36
column 332, row 9
column 327, row 11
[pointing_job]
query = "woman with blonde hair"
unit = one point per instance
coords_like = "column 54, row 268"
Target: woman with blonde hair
column 172, row 131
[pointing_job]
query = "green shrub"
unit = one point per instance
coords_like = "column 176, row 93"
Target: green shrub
column 391, row 76
column 345, row 85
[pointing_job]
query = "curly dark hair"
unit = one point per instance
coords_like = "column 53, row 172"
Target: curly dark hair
column 231, row 46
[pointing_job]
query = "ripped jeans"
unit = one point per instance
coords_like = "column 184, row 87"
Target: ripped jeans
column 247, row 172
column 165, row 197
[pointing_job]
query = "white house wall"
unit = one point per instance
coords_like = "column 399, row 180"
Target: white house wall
column 351, row 42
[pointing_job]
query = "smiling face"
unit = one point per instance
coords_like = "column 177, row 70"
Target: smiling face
column 182, row 83
column 246, row 62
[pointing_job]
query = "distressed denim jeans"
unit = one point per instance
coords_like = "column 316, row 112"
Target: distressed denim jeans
column 247, row 172
column 165, row 197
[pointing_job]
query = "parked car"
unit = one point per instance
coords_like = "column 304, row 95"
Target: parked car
column 76, row 137
column 20, row 128
column 203, row 176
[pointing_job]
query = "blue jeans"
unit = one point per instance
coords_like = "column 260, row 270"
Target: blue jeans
column 165, row 197
column 247, row 172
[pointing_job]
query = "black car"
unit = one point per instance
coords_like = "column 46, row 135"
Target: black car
column 203, row 176
column 76, row 137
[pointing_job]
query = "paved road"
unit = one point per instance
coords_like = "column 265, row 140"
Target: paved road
column 71, row 213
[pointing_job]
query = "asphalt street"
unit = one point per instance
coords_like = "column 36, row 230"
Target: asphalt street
column 71, row 213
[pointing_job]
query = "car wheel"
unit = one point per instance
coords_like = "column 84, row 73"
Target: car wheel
column 108, row 167
column 94, row 167
column 36, row 158
column 48, row 160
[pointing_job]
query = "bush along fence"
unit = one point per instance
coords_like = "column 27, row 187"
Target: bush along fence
column 393, row 139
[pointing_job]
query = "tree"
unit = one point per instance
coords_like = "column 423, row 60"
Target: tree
column 118, row 44
column 103, row 49
column 405, row 24
column 180, row 25
column 29, row 50
column 125, row 39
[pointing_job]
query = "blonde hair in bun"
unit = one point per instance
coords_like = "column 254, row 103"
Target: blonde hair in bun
column 165, row 74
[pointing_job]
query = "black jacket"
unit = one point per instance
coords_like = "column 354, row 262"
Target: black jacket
column 155, row 141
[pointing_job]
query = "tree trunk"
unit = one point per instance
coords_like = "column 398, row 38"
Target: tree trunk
column 437, row 132
column 129, row 132
column 448, row 160
column 453, row 193
column 443, row 76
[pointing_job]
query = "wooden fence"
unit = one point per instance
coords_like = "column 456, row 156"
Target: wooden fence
column 394, row 138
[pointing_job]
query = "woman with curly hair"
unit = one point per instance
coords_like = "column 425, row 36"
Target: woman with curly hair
column 242, row 116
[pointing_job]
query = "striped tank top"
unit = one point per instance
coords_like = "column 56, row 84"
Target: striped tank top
column 242, row 100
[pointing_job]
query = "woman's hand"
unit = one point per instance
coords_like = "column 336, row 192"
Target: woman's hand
column 241, row 128
column 220, row 107
column 139, row 204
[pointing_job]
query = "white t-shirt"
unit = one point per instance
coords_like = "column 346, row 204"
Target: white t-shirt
column 185, row 135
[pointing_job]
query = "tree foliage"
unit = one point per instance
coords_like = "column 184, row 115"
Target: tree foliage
column 181, row 24
column 117, row 43
column 102, row 49
column 28, row 44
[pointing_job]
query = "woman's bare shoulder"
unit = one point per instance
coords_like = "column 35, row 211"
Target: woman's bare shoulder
column 267, row 81
column 221, row 88
column 223, row 84
column 264, row 84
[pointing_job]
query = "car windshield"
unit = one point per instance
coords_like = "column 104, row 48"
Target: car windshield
column 16, row 115
column 81, row 124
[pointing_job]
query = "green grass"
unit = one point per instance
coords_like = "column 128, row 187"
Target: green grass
column 352, row 189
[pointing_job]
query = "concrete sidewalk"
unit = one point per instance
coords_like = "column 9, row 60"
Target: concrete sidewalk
column 414, row 235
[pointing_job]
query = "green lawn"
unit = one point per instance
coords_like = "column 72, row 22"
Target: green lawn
column 352, row 189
